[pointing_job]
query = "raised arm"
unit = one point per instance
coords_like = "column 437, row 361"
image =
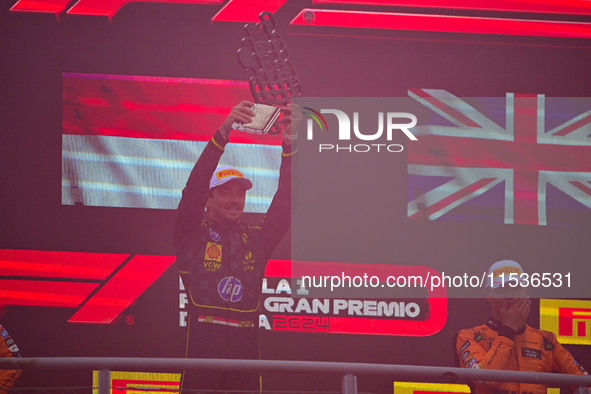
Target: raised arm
column 278, row 217
column 192, row 204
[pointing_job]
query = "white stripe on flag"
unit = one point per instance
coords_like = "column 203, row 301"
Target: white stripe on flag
column 151, row 173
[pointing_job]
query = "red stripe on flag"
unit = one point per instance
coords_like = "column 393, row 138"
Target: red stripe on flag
column 428, row 211
column 488, row 153
column 152, row 107
column 445, row 108
column 574, row 126
column 581, row 186
column 525, row 197
column 525, row 177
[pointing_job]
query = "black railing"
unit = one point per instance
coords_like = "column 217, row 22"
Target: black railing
column 347, row 370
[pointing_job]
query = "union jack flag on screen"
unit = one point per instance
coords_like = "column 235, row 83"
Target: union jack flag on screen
column 522, row 159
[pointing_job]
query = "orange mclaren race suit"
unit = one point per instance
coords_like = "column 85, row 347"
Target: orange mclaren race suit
column 8, row 349
column 222, row 265
column 496, row 346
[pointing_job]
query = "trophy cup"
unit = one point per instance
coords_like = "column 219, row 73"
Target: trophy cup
column 273, row 81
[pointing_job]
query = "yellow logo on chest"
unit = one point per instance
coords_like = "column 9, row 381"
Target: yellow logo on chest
column 211, row 266
column 213, row 252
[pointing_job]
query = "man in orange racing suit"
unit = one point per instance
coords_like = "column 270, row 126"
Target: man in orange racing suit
column 222, row 260
column 505, row 342
column 8, row 349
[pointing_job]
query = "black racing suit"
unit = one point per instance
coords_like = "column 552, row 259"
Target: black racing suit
column 222, row 266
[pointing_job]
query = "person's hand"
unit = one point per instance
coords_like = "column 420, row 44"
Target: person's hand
column 516, row 314
column 240, row 113
column 291, row 121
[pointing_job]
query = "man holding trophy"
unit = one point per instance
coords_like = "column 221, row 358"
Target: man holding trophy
column 221, row 259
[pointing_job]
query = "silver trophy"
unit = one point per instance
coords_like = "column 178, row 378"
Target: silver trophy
column 273, row 81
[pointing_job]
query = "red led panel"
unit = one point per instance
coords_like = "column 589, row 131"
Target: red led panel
column 100, row 285
column 111, row 7
column 44, row 293
column 278, row 269
column 233, row 10
column 576, row 7
column 441, row 23
column 43, row 6
column 122, row 289
column 50, row 264
column 90, row 7
column 246, row 10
